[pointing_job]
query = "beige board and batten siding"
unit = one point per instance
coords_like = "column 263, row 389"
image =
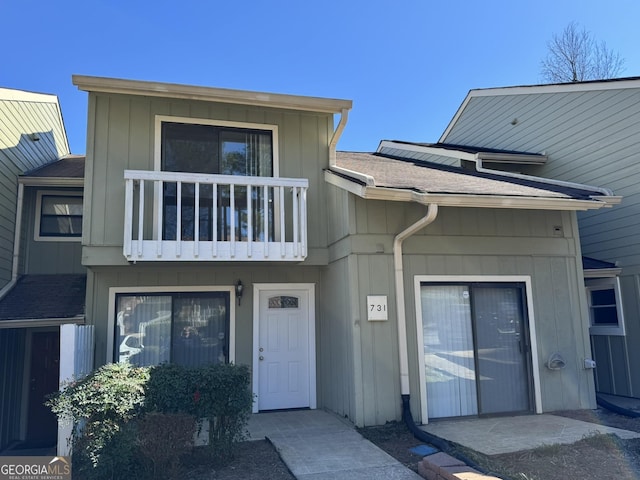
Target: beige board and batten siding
column 121, row 136
column 24, row 117
column 590, row 134
column 463, row 241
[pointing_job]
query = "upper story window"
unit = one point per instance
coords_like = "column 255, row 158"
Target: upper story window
column 221, row 149
column 208, row 146
column 214, row 147
column 58, row 216
column 605, row 307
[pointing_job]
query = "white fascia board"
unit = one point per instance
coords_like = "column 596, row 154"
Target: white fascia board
column 51, row 181
column 456, row 200
column 602, row 273
column 210, row 94
column 24, row 96
column 363, row 177
column 425, row 149
column 344, row 183
column 608, row 200
column 41, row 322
column 517, row 158
column 480, row 201
column 539, row 89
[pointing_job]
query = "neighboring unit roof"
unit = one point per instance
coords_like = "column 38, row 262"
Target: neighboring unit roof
column 50, row 298
column 466, row 152
column 67, row 170
column 594, row 268
column 427, row 182
column 209, row 94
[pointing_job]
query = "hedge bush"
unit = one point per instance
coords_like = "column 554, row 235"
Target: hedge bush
column 100, row 407
column 108, row 407
column 219, row 393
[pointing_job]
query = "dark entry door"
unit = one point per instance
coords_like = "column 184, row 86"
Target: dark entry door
column 42, row 426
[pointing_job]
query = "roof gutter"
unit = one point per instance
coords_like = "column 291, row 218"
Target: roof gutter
column 344, row 116
column 16, row 243
column 610, row 199
column 366, row 188
column 432, row 212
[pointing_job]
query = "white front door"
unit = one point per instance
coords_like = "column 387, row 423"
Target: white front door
column 284, row 356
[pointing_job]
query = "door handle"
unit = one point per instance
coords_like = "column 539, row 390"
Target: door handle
column 261, row 358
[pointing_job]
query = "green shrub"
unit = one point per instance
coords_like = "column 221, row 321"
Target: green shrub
column 223, row 396
column 100, row 407
column 170, row 389
column 219, row 393
column 114, row 413
column 163, row 438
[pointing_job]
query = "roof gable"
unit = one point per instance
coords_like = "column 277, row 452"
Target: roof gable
column 33, row 132
column 495, row 116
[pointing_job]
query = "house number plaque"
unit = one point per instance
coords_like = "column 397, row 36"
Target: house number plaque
column 377, row 308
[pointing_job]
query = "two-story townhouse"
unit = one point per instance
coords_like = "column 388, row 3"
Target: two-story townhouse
column 43, row 282
column 223, row 226
column 589, row 134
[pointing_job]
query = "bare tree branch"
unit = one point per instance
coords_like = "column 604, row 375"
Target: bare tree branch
column 574, row 56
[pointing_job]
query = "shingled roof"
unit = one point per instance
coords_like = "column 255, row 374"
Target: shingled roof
column 39, row 297
column 428, row 177
column 70, row 166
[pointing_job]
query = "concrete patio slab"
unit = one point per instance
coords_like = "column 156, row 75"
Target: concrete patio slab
column 493, row 436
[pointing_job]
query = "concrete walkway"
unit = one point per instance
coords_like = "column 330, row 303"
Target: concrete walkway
column 492, row 436
column 317, row 445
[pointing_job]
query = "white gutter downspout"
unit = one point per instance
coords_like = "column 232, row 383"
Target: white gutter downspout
column 16, row 242
column 344, row 116
column 432, row 212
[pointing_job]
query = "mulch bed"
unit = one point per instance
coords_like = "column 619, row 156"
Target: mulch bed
column 593, row 458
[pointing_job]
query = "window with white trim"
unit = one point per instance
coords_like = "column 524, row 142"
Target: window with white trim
column 186, row 328
column 58, row 216
column 211, row 147
column 605, row 307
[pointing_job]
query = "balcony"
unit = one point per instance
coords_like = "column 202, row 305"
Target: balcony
column 192, row 217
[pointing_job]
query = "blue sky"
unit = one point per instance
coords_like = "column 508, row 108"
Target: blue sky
column 406, row 64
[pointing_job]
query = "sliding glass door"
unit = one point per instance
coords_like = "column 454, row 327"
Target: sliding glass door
column 476, row 349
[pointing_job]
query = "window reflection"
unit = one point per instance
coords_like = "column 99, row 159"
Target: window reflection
column 184, row 328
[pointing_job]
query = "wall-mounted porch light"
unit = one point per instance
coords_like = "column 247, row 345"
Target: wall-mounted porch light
column 239, row 289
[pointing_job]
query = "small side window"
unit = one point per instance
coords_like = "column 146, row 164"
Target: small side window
column 605, row 307
column 58, row 216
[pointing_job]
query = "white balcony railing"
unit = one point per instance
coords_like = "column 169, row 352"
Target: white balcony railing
column 172, row 216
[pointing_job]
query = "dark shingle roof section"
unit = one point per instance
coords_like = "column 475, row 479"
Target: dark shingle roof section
column 71, row 166
column 428, row 177
column 45, row 296
column 468, row 148
column 589, row 263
